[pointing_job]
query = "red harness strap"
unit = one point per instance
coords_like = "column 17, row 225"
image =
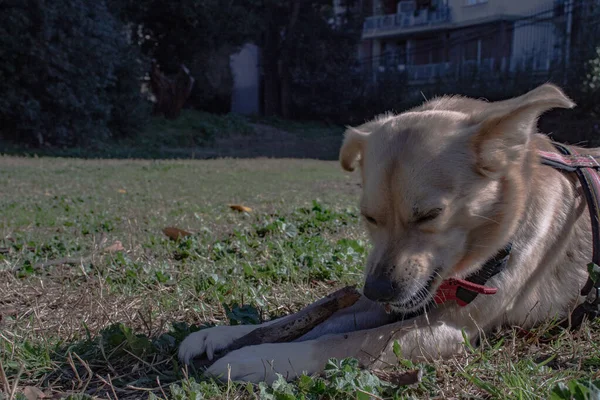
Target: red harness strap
column 569, row 162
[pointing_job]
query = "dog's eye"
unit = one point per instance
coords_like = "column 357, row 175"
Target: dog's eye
column 429, row 216
column 370, row 220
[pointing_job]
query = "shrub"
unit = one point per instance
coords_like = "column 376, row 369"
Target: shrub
column 68, row 74
column 591, row 84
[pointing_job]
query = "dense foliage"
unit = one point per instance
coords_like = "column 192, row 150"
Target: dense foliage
column 306, row 61
column 310, row 69
column 201, row 34
column 68, row 75
column 71, row 69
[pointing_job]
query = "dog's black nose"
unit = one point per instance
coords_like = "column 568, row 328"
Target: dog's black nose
column 380, row 289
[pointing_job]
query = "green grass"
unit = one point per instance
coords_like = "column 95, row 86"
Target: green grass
column 107, row 324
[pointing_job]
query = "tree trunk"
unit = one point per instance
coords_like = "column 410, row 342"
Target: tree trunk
column 171, row 94
column 271, row 70
column 286, row 54
column 286, row 91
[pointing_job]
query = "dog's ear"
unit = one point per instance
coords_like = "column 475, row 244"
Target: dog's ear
column 503, row 131
column 355, row 140
column 352, row 148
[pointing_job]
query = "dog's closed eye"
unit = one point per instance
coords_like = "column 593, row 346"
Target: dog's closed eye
column 421, row 218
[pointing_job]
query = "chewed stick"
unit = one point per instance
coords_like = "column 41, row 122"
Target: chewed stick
column 287, row 329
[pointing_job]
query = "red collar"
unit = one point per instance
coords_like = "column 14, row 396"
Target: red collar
column 449, row 290
column 464, row 291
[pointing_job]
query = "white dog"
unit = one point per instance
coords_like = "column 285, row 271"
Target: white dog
column 446, row 187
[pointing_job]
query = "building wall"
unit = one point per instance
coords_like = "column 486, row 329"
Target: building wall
column 487, row 36
column 485, row 46
column 533, row 46
column 246, row 80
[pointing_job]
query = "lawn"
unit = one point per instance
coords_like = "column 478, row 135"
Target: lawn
column 94, row 298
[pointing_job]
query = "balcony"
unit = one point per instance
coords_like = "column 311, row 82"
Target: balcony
column 384, row 25
column 393, row 63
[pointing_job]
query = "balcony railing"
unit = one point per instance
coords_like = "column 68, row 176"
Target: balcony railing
column 385, row 23
column 392, row 63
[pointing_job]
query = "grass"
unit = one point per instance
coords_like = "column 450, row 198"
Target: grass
column 97, row 321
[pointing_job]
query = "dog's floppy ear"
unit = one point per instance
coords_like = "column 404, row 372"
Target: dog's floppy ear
column 355, row 140
column 503, row 131
column 352, row 148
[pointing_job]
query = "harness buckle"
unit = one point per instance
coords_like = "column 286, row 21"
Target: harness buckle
column 594, row 298
column 589, row 309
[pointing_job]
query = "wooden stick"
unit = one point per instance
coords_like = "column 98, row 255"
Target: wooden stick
column 288, row 329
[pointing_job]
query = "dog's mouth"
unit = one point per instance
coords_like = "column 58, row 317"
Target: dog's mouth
column 419, row 300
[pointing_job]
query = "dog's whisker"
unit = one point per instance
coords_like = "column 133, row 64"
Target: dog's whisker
column 486, row 218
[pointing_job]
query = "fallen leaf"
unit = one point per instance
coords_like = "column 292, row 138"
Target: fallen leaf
column 175, row 233
column 400, row 378
column 240, row 208
column 122, row 191
column 33, row 393
column 4, row 250
column 115, row 247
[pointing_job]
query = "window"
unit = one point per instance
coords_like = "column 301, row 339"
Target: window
column 559, row 8
column 472, row 50
column 474, row 2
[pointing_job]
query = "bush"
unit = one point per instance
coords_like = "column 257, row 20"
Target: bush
column 68, row 75
column 219, row 28
column 591, row 84
column 193, row 129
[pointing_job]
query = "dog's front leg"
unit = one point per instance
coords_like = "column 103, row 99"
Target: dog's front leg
column 364, row 314
column 374, row 347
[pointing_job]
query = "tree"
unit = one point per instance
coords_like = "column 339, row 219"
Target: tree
column 298, row 36
column 584, row 67
column 200, row 34
column 67, row 75
column 591, row 84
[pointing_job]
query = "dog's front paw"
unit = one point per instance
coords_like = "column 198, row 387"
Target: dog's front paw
column 261, row 363
column 210, row 340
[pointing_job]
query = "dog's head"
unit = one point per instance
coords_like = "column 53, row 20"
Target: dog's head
column 443, row 188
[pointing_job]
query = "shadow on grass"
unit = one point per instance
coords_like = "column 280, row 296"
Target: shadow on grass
column 121, row 363
column 200, row 135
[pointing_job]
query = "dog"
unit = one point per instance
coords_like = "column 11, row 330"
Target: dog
column 445, row 187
